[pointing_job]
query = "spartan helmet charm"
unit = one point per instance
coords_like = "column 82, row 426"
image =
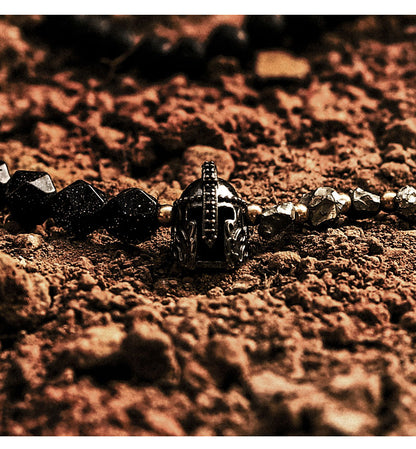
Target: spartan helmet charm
column 209, row 224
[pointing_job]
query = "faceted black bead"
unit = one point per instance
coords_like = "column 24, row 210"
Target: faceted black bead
column 188, row 57
column 228, row 40
column 304, row 29
column 4, row 179
column 364, row 204
column 152, row 57
column 332, row 21
column 26, row 195
column 324, row 205
column 265, row 31
column 131, row 216
column 74, row 208
column 92, row 36
column 406, row 203
column 96, row 36
column 276, row 219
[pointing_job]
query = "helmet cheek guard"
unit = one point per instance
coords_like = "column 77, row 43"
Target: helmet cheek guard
column 210, row 224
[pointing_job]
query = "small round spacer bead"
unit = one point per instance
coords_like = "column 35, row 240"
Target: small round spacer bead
column 164, row 215
column 388, row 201
column 347, row 202
column 301, row 213
column 254, row 211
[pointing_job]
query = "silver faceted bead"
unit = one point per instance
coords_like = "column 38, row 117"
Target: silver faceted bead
column 276, row 219
column 325, row 205
column 364, row 204
column 406, row 203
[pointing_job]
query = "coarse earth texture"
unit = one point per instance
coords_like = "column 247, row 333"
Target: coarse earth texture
column 314, row 335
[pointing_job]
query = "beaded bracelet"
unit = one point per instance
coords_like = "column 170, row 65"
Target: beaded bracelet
column 210, row 223
column 155, row 57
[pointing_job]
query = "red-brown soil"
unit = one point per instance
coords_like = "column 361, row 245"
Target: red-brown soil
column 315, row 335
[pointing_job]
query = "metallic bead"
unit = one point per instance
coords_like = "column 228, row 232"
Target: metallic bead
column 4, row 179
column 301, row 213
column 406, row 203
column 325, row 205
column 164, row 215
column 347, row 204
column 254, row 211
column 276, row 219
column 364, row 204
column 388, row 201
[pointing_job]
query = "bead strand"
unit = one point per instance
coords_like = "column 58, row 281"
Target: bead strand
column 155, row 57
column 323, row 206
column 80, row 208
column 134, row 216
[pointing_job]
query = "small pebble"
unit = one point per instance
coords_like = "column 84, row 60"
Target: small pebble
column 276, row 64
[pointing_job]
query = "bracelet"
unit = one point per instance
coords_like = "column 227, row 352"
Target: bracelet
column 156, row 57
column 210, row 223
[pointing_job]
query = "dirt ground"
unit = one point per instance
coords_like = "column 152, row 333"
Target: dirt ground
column 314, row 335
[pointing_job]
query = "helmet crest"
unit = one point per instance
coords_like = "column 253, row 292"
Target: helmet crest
column 209, row 203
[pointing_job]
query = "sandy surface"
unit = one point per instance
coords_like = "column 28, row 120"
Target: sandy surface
column 315, row 335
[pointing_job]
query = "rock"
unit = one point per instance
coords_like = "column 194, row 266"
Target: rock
column 395, row 152
column 341, row 421
column 275, row 64
column 163, row 424
column 24, row 298
column 396, row 305
column 284, row 260
column 95, row 347
column 194, row 157
column 45, row 133
column 183, row 130
column 408, row 321
column 86, row 281
column 29, row 241
column 402, row 132
column 372, row 314
column 195, row 377
column 360, row 389
column 110, row 138
column 267, row 386
column 228, row 360
column 341, row 333
column 374, row 246
column 144, row 313
column 150, row 353
column 215, row 292
column 396, row 171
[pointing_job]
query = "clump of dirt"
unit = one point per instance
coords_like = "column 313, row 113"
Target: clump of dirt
column 314, row 335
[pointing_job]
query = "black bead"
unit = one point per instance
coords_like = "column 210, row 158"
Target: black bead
column 188, row 57
column 131, row 216
column 26, row 195
column 228, row 40
column 4, row 179
column 265, row 31
column 152, row 57
column 96, row 36
column 276, row 219
column 92, row 37
column 304, row 29
column 332, row 21
column 74, row 208
column 364, row 204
